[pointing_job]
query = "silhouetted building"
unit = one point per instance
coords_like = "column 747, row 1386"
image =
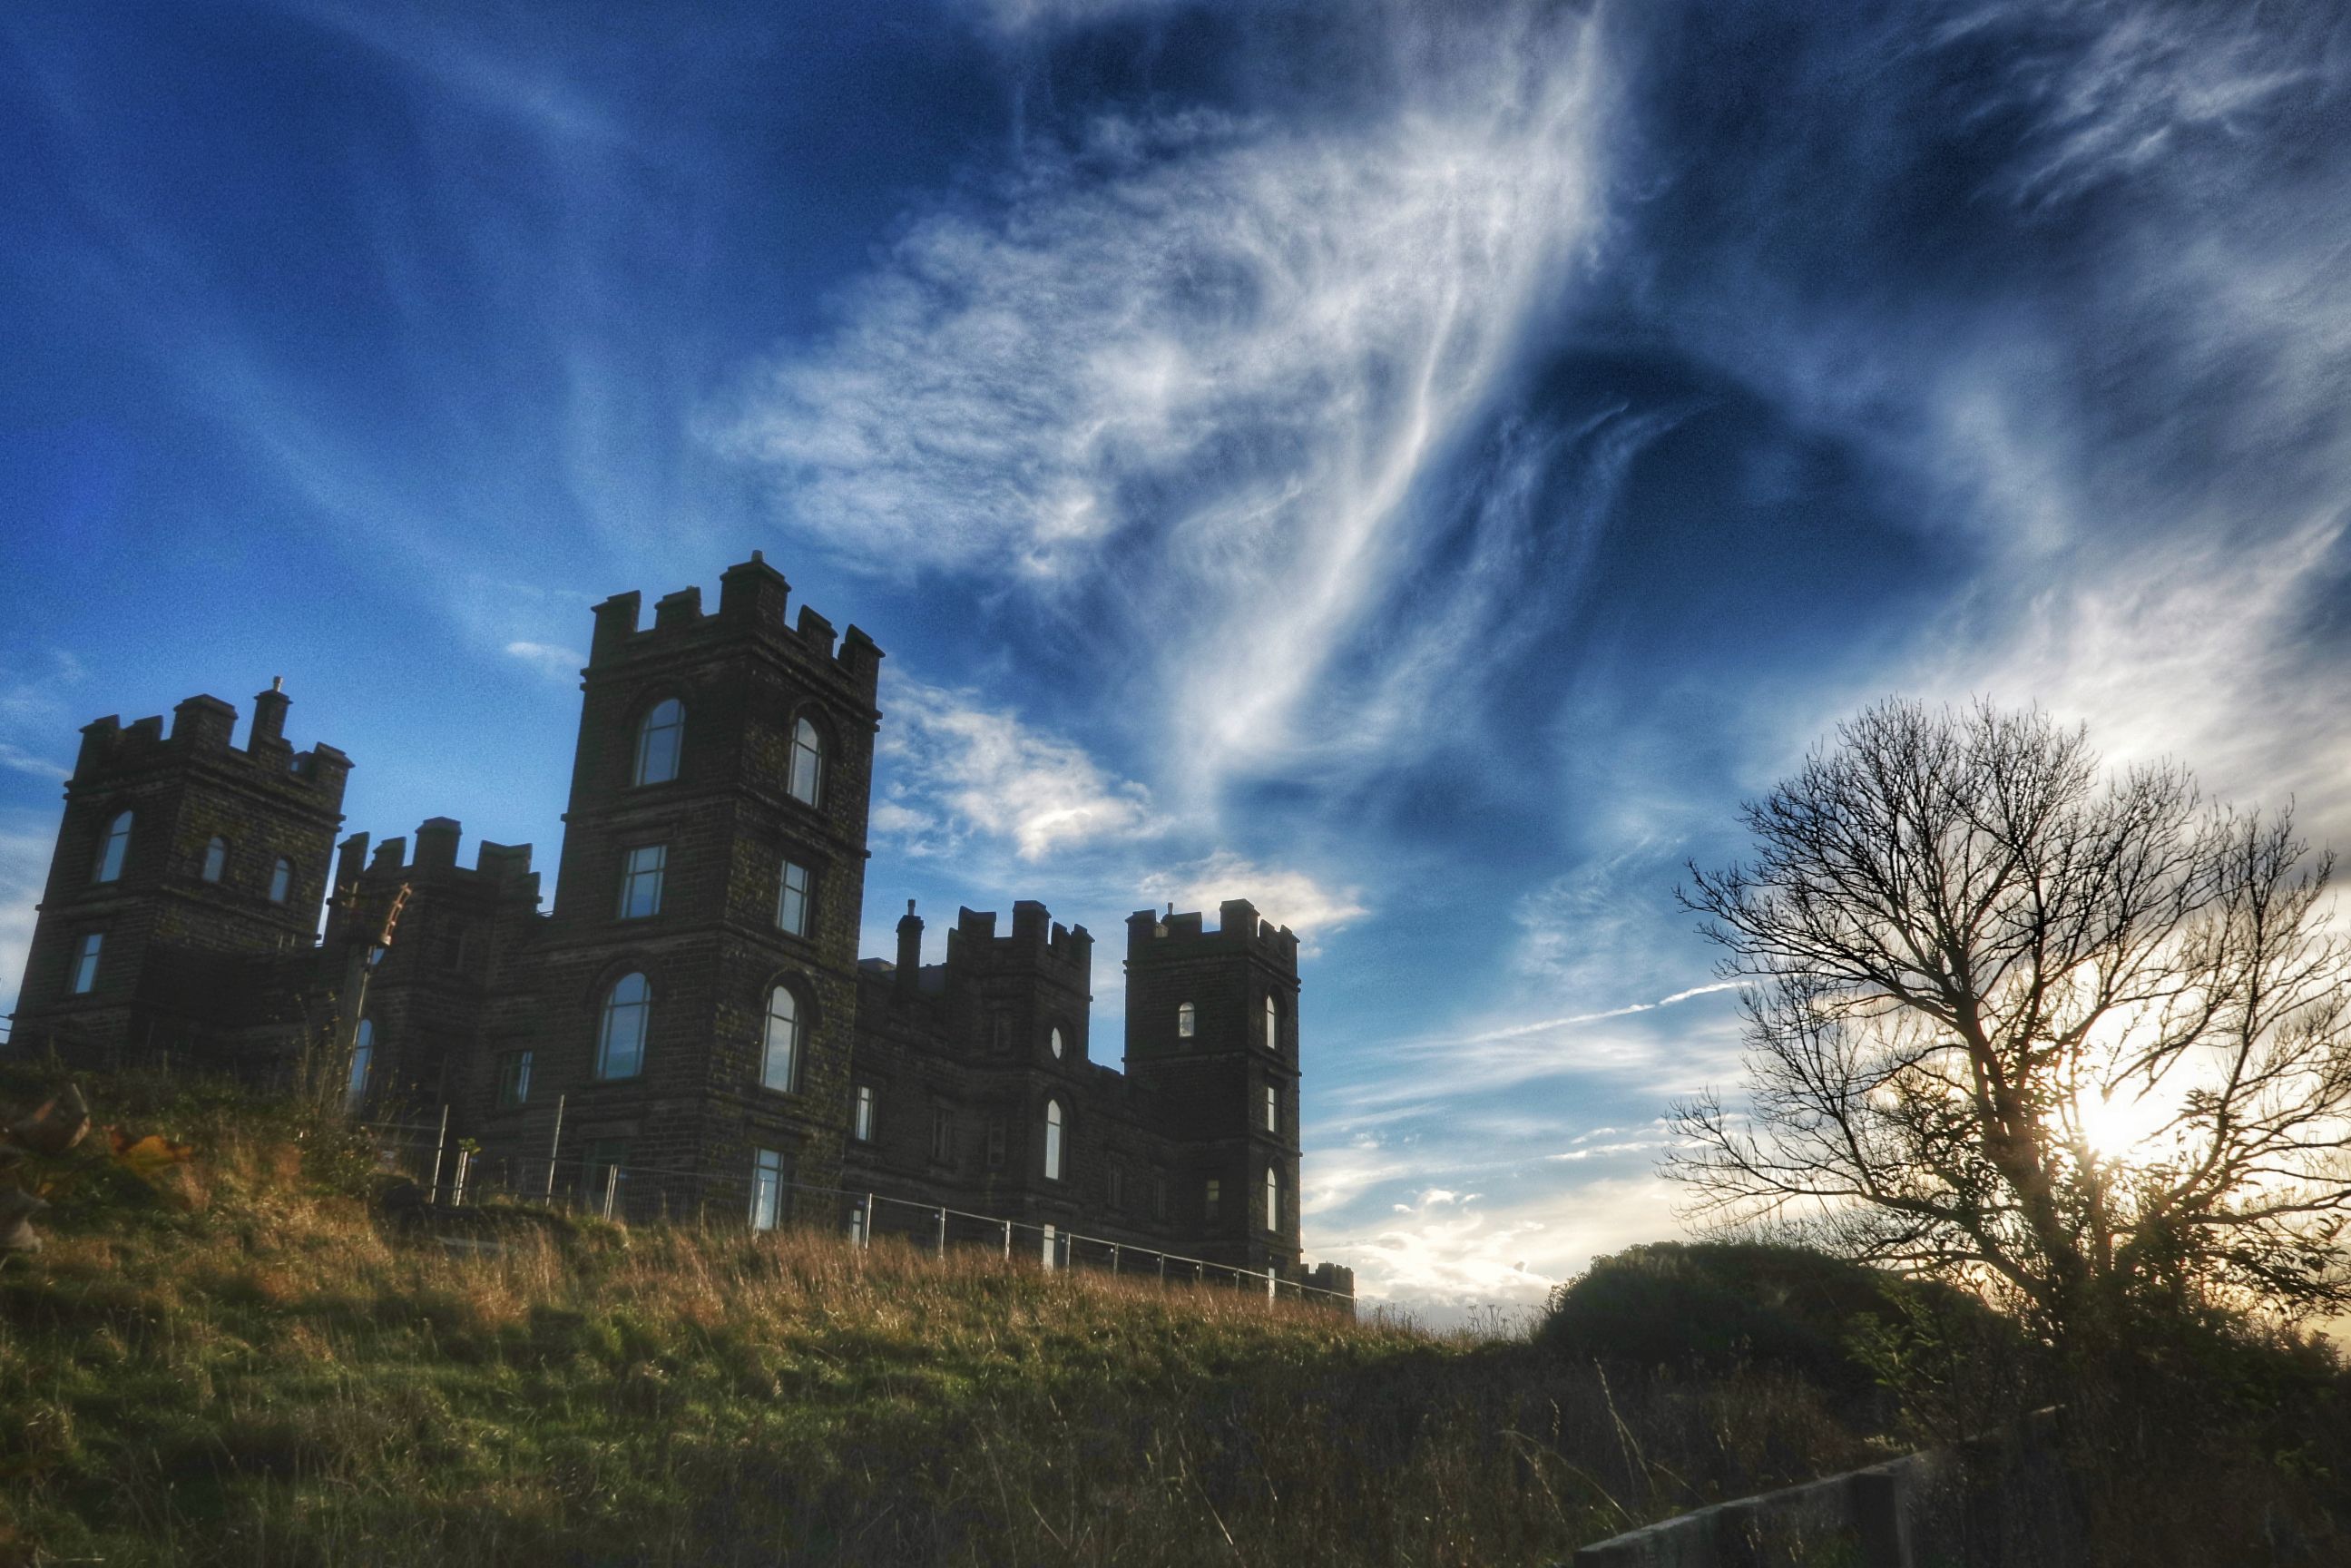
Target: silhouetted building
column 693, row 1002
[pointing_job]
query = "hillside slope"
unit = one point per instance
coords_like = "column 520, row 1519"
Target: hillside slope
column 275, row 1378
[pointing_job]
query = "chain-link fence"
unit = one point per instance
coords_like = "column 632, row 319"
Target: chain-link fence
column 637, row 1194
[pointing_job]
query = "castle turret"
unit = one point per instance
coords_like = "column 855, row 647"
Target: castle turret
column 172, row 848
column 1212, row 1032
column 701, row 954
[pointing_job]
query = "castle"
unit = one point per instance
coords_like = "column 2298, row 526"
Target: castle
column 689, row 1026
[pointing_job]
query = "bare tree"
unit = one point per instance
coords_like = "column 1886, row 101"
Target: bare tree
column 1968, row 950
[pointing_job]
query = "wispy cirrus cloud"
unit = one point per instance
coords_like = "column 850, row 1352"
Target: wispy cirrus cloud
column 1311, row 907
column 1191, row 370
column 955, row 766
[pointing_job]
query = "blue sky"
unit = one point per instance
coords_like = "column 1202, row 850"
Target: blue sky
column 1417, row 466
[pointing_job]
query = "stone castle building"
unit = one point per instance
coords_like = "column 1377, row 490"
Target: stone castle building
column 689, row 1025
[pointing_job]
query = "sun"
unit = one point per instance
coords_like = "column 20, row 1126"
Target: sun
column 2120, row 1125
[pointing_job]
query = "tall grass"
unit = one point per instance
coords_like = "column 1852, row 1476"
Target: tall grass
column 276, row 1379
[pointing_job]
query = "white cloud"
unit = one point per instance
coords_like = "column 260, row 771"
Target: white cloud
column 1197, row 366
column 956, row 768
column 548, row 659
column 1448, row 1257
column 26, row 837
column 17, row 759
column 1024, row 15
column 1285, row 896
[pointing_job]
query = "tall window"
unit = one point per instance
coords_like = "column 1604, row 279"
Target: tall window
column 1272, row 1198
column 1114, row 1186
column 1052, row 1139
column 113, row 848
column 781, row 1059
column 942, row 1136
column 216, row 859
column 1187, row 1021
column 641, row 880
column 1212, row 1201
column 806, row 778
column 657, row 742
column 85, row 969
column 513, row 1079
column 861, row 1124
column 792, row 901
column 1056, row 1042
column 281, row 880
column 620, row 1043
column 1272, row 1109
column 362, row 1064
column 1272, row 1026
column 767, row 1184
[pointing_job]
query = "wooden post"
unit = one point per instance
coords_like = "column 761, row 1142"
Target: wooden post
column 1007, row 1241
column 943, row 1231
column 554, row 1144
column 440, row 1148
column 611, row 1187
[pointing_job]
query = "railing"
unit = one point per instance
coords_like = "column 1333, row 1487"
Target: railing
column 640, row 1193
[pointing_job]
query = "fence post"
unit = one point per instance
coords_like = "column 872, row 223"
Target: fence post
column 457, row 1184
column 554, row 1147
column 1113, row 1259
column 868, row 1241
column 1007, row 1241
column 943, row 1231
column 440, row 1147
column 1163, row 1268
column 611, row 1187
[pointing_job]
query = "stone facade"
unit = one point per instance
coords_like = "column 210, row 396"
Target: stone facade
column 691, row 1011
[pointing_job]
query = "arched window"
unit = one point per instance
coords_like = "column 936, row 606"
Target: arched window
column 806, row 780
column 1272, row 1025
column 1052, row 1139
column 216, row 859
column 1056, row 1042
column 1187, row 1021
column 281, row 880
column 658, row 738
column 621, row 1041
column 1272, row 1198
column 779, row 1061
column 362, row 1064
column 113, row 848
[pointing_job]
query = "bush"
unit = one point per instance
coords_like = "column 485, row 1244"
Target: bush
column 1711, row 1308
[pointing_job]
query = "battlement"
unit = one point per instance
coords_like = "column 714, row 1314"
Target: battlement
column 1036, row 940
column 752, row 599
column 1153, row 935
column 437, row 838
column 205, row 727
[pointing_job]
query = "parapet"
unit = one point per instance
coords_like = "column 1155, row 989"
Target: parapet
column 1151, row 935
column 753, row 597
column 1036, row 941
column 205, row 726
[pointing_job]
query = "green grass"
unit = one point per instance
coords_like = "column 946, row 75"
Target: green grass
column 271, row 1379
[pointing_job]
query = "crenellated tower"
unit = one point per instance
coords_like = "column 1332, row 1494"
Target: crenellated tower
column 1212, row 1034
column 179, row 854
column 698, row 978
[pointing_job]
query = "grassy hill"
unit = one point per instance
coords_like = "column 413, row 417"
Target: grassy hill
column 276, row 1377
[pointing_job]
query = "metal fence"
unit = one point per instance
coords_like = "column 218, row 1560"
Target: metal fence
column 640, row 1193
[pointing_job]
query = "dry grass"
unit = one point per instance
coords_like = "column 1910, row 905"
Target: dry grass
column 273, row 1380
